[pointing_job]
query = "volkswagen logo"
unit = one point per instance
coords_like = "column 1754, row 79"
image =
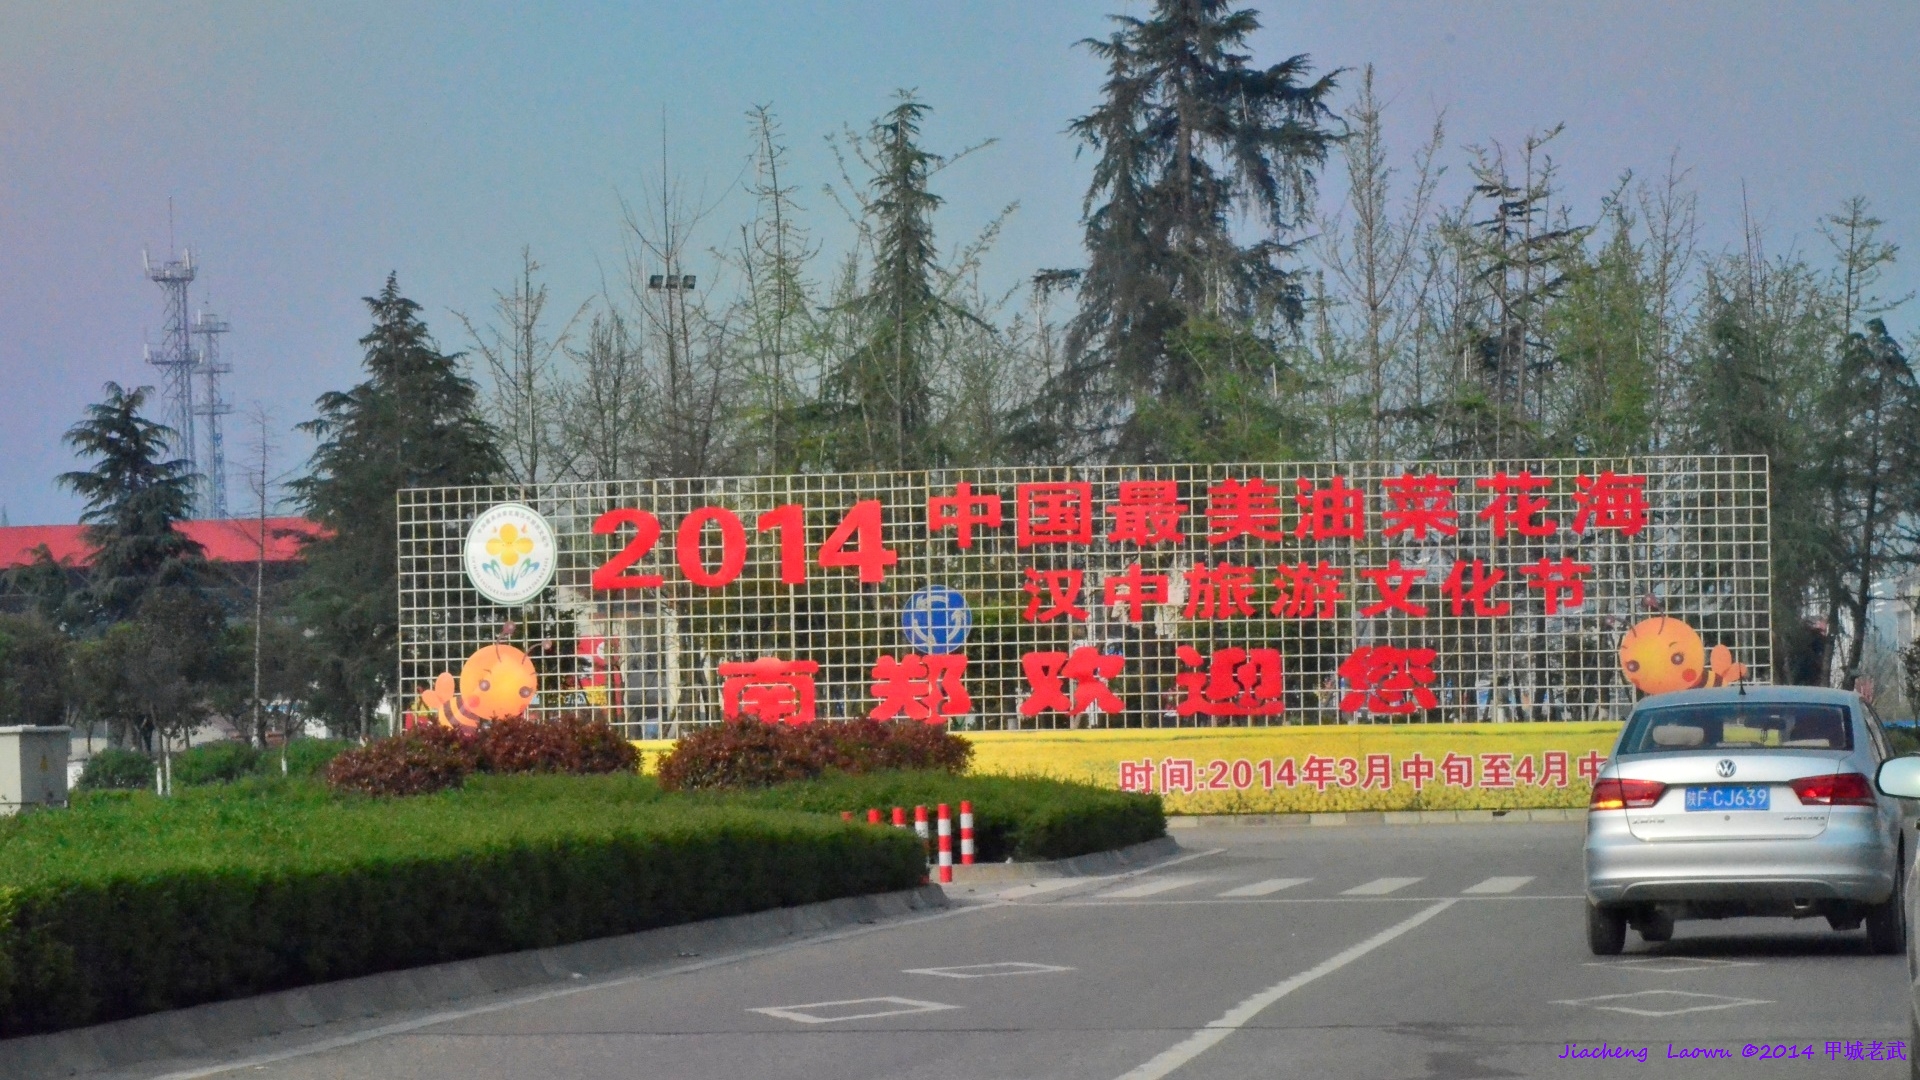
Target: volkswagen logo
column 1725, row 768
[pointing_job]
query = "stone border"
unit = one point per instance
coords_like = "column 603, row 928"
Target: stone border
column 207, row 1030
column 1099, row 862
column 1380, row 817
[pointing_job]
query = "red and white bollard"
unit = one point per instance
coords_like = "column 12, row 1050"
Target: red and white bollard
column 946, row 846
column 966, row 834
column 899, row 817
column 873, row 817
column 920, row 823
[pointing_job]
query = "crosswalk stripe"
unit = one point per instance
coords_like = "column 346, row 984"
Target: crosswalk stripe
column 1150, row 888
column 1263, row 888
column 1498, row 885
column 1381, row 886
column 1036, row 888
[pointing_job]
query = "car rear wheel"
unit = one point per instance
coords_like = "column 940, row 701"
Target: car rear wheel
column 1606, row 930
column 1656, row 926
column 1887, row 924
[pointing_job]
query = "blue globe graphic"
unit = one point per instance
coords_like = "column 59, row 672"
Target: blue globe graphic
column 936, row 620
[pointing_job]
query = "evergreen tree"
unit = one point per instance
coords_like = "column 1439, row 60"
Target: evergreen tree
column 1191, row 136
column 414, row 422
column 34, row 681
column 135, row 495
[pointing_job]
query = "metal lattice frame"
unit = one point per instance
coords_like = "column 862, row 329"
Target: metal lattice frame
column 1702, row 557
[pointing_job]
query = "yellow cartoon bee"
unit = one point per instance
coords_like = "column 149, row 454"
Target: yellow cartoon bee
column 1663, row 654
column 496, row 683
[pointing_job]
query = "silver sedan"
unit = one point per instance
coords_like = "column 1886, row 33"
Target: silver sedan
column 1745, row 801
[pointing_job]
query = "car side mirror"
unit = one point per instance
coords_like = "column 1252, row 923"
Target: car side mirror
column 1900, row 777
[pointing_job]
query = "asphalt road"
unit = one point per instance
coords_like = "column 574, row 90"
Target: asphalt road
column 1366, row 952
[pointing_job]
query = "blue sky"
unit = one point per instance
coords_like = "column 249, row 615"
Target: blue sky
column 310, row 148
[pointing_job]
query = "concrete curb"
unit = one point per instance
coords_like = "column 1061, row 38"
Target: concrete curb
column 1098, row 862
column 204, row 1030
column 1380, row 817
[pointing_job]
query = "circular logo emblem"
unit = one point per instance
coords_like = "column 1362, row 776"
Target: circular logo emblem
column 510, row 554
column 936, row 620
column 1725, row 768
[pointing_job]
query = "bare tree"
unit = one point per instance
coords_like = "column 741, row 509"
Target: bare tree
column 524, row 400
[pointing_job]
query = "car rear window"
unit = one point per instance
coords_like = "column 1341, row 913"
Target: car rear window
column 1740, row 725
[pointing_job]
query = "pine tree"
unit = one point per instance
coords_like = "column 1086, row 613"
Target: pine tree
column 135, row 495
column 1190, row 136
column 414, row 422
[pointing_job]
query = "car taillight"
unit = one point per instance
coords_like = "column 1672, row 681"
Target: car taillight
column 1625, row 794
column 1840, row 789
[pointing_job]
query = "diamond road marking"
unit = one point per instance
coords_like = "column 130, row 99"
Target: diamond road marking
column 1381, row 886
column 1670, row 965
column 897, row 1006
column 988, row 971
column 1497, row 885
column 1263, row 888
column 1150, row 888
column 1674, row 997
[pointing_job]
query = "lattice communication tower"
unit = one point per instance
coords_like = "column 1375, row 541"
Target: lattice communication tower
column 211, row 408
column 175, row 356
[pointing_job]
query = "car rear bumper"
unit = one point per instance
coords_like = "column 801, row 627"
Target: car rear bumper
column 1851, row 860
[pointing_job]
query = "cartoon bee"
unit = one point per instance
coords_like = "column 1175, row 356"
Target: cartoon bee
column 496, row 683
column 1662, row 654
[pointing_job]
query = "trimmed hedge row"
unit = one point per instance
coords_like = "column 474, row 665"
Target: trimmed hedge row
column 1021, row 818
column 128, row 904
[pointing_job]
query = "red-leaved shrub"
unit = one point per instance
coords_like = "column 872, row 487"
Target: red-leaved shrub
column 747, row 753
column 433, row 757
column 416, row 762
column 568, row 744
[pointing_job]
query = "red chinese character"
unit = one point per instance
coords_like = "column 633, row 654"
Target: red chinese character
column 1379, row 772
column 1496, row 770
column 1457, row 770
column 1318, row 771
column 1394, row 582
column 1137, row 776
column 771, row 690
column 1590, row 763
column 1087, row 668
column 1238, row 508
column 1334, row 512
column 925, row 688
column 1062, row 589
column 1235, row 682
column 1176, row 774
column 1610, row 501
column 1059, row 513
column 1416, row 504
column 1555, row 578
column 1553, row 766
column 1417, row 770
column 1148, row 513
column 1513, row 509
column 1476, row 591
column 1219, row 592
column 962, row 511
column 1134, row 589
column 1388, row 679
column 1308, row 591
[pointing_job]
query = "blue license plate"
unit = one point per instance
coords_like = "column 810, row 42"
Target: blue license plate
column 1728, row 797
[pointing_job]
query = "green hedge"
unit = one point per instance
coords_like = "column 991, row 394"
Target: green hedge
column 128, row 904
column 1013, row 817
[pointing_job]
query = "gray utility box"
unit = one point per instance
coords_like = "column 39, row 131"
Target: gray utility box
column 33, row 767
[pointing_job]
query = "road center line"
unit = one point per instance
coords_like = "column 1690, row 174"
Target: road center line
column 1170, row 1059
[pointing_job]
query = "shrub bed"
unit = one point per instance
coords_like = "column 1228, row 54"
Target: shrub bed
column 434, row 757
column 128, row 904
column 1013, row 817
column 749, row 754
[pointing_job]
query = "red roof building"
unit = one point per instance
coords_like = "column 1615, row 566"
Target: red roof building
column 234, row 540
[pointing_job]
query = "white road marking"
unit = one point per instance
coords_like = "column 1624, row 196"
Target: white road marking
column 1045, row 885
column 988, row 971
column 1498, row 885
column 1242, row 1014
column 891, row 1006
column 1263, row 888
column 1381, row 886
column 1149, row 888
